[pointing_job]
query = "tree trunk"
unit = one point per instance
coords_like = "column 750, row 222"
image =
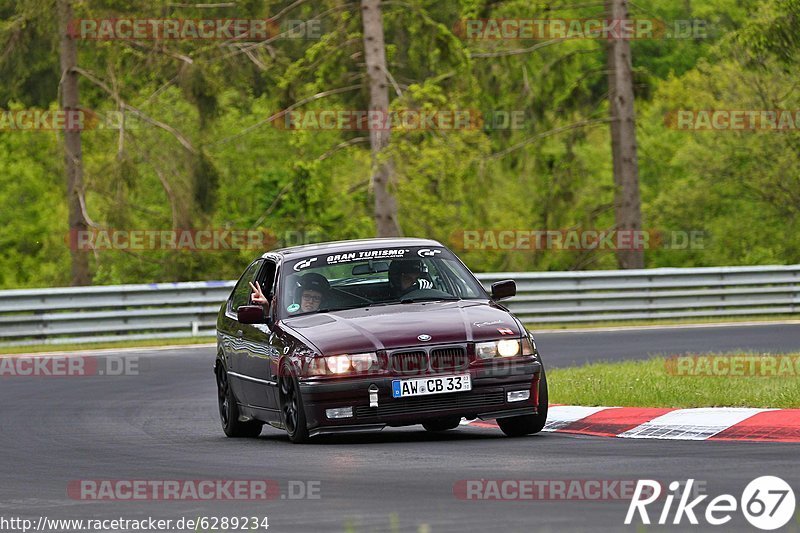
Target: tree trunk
column 386, row 219
column 627, row 208
column 73, row 159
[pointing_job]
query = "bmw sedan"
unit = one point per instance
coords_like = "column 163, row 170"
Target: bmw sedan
column 360, row 335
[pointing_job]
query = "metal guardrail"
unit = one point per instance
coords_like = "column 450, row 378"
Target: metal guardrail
column 179, row 310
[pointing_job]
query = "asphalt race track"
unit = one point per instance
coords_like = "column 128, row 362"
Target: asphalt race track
column 162, row 425
column 579, row 347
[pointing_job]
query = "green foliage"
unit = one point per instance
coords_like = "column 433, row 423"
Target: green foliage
column 773, row 30
column 34, row 215
column 201, row 152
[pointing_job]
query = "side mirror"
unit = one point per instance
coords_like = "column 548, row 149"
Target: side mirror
column 504, row 289
column 252, row 314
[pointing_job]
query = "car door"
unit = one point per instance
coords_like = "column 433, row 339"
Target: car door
column 234, row 334
column 264, row 346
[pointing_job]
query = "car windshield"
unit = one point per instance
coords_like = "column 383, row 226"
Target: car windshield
column 370, row 277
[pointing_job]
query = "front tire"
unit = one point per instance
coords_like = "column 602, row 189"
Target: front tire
column 519, row 426
column 293, row 414
column 229, row 410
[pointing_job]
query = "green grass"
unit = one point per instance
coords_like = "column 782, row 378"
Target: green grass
column 103, row 345
column 649, row 384
column 534, row 327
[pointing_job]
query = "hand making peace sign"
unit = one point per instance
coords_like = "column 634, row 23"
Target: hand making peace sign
column 258, row 295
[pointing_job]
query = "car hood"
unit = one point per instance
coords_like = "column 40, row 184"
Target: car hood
column 397, row 326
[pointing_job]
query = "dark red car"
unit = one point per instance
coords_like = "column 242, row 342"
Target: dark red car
column 360, row 335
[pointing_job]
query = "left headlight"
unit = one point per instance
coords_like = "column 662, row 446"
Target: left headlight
column 334, row 365
column 503, row 348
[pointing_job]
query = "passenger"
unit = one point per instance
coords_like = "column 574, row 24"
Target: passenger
column 311, row 291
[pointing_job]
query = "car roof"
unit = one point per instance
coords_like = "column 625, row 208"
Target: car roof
column 306, row 250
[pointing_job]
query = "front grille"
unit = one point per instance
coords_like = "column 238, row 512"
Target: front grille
column 425, row 359
column 454, row 358
column 413, row 362
column 437, row 402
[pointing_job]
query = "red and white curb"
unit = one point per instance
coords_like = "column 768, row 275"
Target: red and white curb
column 717, row 423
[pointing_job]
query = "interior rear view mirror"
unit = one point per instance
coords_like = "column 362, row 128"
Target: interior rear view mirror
column 373, row 267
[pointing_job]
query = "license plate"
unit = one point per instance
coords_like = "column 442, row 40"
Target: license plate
column 402, row 388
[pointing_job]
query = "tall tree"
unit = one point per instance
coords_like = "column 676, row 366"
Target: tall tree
column 73, row 159
column 385, row 208
column 627, row 204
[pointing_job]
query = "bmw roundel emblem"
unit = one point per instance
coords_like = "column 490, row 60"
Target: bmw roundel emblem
column 424, row 337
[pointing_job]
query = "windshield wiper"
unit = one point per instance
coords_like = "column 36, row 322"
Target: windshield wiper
column 428, row 299
column 329, row 309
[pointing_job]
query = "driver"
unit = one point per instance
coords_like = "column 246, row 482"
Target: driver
column 405, row 276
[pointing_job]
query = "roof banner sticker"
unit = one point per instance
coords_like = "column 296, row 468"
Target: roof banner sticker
column 390, row 253
column 427, row 252
column 364, row 255
column 305, row 263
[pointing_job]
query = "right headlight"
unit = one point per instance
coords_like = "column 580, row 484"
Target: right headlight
column 503, row 348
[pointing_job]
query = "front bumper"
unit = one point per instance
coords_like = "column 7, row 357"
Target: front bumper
column 486, row 400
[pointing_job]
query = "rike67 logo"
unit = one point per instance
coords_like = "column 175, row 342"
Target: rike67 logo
column 767, row 502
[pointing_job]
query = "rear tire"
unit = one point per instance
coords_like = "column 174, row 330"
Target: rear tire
column 229, row 410
column 293, row 414
column 442, row 424
column 519, row 426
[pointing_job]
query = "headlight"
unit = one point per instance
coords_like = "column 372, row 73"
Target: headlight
column 508, row 347
column 364, row 361
column 503, row 348
column 343, row 364
column 486, row 350
column 338, row 364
